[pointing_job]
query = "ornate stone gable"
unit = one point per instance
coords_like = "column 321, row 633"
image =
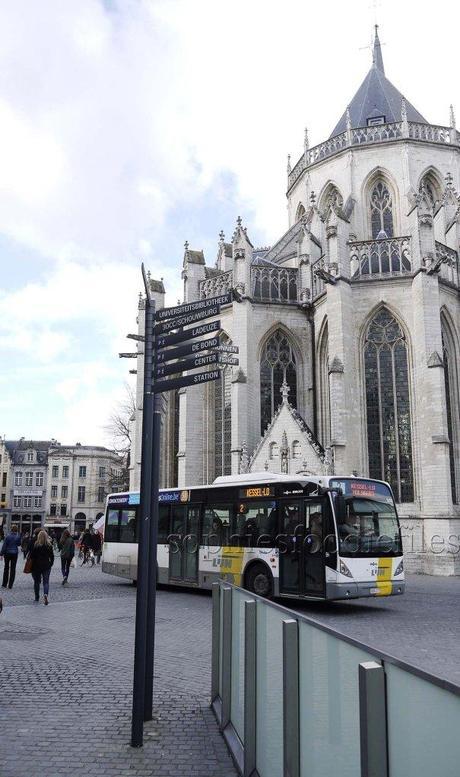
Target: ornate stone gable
column 289, row 446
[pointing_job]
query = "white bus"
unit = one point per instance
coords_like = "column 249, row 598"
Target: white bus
column 315, row 537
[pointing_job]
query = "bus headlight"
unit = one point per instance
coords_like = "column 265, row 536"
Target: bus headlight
column 399, row 569
column 344, row 569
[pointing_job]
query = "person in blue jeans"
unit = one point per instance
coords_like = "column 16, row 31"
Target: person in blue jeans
column 42, row 560
column 9, row 552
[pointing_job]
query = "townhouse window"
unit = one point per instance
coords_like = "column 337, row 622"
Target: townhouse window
column 27, row 501
column 18, row 478
column 82, row 472
column 81, row 493
column 65, row 471
column 53, row 492
column 102, row 472
column 64, row 492
column 39, row 478
column 4, row 480
column 17, row 501
column 55, row 471
column 30, row 456
column 52, row 509
column 29, row 478
column 100, row 494
column 37, row 501
column 63, row 510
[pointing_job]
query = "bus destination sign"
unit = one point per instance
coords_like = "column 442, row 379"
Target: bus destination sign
column 256, row 492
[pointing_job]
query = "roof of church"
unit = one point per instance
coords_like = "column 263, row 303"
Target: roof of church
column 376, row 97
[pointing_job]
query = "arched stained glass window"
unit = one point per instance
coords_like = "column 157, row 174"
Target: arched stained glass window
column 381, row 210
column 449, row 383
column 389, row 435
column 223, row 422
column 277, row 365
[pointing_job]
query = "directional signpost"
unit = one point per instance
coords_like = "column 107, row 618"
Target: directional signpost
column 160, row 361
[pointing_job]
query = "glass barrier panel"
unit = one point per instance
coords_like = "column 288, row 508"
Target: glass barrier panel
column 423, row 727
column 269, row 694
column 221, row 627
column 329, row 704
column 237, row 695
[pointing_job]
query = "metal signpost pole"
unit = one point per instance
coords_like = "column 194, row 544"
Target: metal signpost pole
column 145, row 513
column 153, row 566
column 169, row 330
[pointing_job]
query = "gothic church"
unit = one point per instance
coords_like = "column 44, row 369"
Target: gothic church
column 348, row 329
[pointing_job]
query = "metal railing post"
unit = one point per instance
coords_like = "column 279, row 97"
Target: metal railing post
column 250, row 669
column 226, row 594
column 373, row 720
column 215, row 643
column 291, row 729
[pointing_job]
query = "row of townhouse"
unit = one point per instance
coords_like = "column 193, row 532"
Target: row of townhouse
column 46, row 483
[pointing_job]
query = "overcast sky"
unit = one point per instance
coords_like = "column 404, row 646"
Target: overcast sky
column 127, row 127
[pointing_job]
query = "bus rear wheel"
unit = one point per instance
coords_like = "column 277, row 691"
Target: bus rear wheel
column 259, row 580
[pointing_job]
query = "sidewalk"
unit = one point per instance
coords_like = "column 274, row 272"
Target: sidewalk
column 66, row 685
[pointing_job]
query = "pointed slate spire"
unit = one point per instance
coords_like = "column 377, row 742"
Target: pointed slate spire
column 377, row 58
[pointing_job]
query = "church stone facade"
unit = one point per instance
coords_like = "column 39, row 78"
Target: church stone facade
column 348, row 326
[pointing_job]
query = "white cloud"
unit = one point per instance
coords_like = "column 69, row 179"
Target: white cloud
column 117, row 117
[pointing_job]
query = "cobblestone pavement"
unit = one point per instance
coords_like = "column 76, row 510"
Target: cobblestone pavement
column 66, row 671
column 66, row 683
column 421, row 627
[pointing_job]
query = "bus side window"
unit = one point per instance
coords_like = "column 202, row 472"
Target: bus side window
column 128, row 525
column 111, row 529
column 163, row 524
column 256, row 524
column 216, row 525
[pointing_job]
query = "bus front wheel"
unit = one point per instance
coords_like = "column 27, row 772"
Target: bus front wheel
column 259, row 580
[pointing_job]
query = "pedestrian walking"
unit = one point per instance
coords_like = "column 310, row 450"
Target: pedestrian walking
column 9, row 552
column 67, row 549
column 42, row 557
column 25, row 543
column 96, row 540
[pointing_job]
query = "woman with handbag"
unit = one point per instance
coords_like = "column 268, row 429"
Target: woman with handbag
column 67, row 549
column 42, row 557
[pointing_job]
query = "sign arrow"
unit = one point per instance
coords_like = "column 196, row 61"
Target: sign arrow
column 188, row 318
column 187, row 380
column 192, row 307
column 188, row 334
column 184, row 350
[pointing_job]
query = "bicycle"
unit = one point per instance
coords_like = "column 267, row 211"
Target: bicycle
column 86, row 557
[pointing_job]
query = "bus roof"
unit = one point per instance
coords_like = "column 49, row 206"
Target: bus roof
column 264, row 477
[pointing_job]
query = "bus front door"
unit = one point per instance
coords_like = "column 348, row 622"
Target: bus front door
column 301, row 552
column 184, row 544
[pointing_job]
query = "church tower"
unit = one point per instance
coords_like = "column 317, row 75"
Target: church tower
column 348, row 325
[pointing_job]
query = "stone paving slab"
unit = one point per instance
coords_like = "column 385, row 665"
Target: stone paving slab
column 66, row 678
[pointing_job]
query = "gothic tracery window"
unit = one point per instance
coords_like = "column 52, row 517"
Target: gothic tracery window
column 277, row 364
column 389, row 435
column 381, row 211
column 223, row 422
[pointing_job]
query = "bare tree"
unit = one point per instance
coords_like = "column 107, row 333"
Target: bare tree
column 118, row 428
column 119, row 423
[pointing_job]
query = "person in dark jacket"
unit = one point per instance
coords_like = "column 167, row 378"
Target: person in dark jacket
column 42, row 560
column 96, row 544
column 9, row 552
column 67, row 550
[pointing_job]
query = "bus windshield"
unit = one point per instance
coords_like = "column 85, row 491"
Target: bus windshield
column 368, row 527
